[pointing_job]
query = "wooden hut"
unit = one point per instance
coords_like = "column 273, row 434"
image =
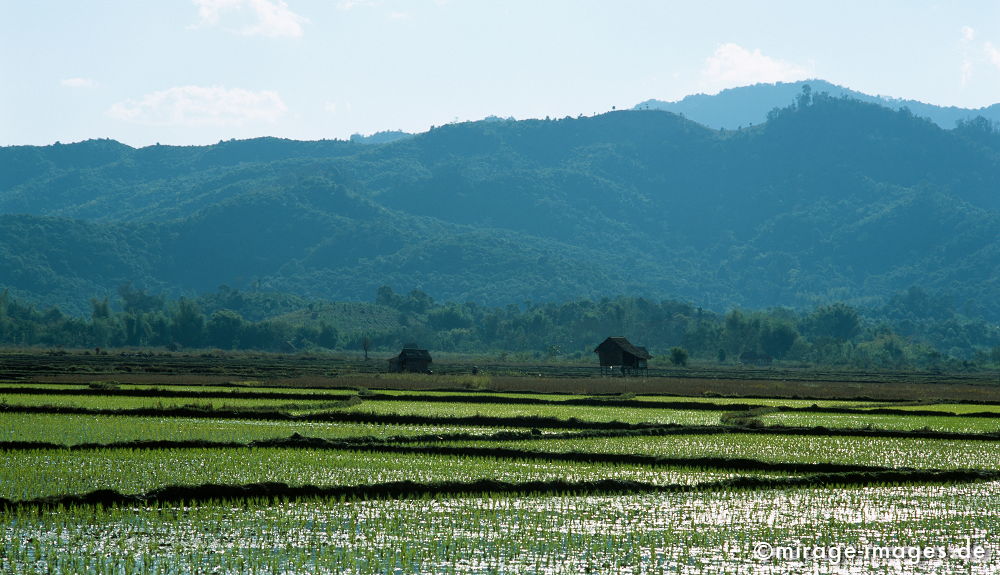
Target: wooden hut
column 618, row 356
column 412, row 360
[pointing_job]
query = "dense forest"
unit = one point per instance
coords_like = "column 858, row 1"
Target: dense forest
column 913, row 330
column 830, row 200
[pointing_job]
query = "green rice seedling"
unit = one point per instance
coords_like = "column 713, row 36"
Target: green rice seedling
column 564, row 412
column 873, row 421
column 766, row 401
column 870, row 451
column 958, row 408
column 41, row 473
column 72, row 429
column 685, row 533
column 124, row 402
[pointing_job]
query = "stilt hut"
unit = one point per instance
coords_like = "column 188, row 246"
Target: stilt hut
column 619, row 357
column 411, row 360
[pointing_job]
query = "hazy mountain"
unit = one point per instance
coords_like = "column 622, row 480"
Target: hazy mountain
column 749, row 105
column 830, row 200
column 381, row 137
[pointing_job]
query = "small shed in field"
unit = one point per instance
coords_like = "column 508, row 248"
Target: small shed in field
column 412, row 360
column 618, row 356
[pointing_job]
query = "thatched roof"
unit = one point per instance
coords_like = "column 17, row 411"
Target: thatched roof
column 626, row 346
column 413, row 354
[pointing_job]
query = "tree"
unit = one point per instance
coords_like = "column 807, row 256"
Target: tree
column 188, row 323
column 448, row 317
column 328, row 336
column 385, row 296
column 777, row 339
column 839, row 322
column 978, row 129
column 417, row 301
column 703, row 337
column 105, row 330
column 678, row 356
column 740, row 332
column 805, row 98
column 100, row 309
column 138, row 331
column 266, row 335
column 224, row 329
column 137, row 300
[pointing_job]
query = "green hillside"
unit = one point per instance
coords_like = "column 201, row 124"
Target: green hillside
column 830, row 200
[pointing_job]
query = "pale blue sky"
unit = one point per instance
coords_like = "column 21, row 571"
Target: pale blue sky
column 198, row 71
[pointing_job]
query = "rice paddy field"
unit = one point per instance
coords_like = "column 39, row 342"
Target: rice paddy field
column 137, row 477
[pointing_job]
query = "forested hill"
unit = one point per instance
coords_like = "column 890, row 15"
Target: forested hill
column 831, row 199
column 748, row 105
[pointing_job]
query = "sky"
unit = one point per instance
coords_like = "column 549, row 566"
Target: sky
column 194, row 72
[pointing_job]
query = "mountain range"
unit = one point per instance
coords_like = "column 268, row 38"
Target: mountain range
column 745, row 106
column 826, row 199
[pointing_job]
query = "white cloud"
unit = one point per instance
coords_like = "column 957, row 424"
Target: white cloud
column 78, row 83
column 352, row 4
column 733, row 65
column 210, row 11
column 967, row 71
column 201, row 106
column 968, row 67
column 275, row 19
column 992, row 53
column 270, row 18
column 348, row 5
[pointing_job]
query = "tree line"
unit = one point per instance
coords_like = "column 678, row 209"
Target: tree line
column 914, row 329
